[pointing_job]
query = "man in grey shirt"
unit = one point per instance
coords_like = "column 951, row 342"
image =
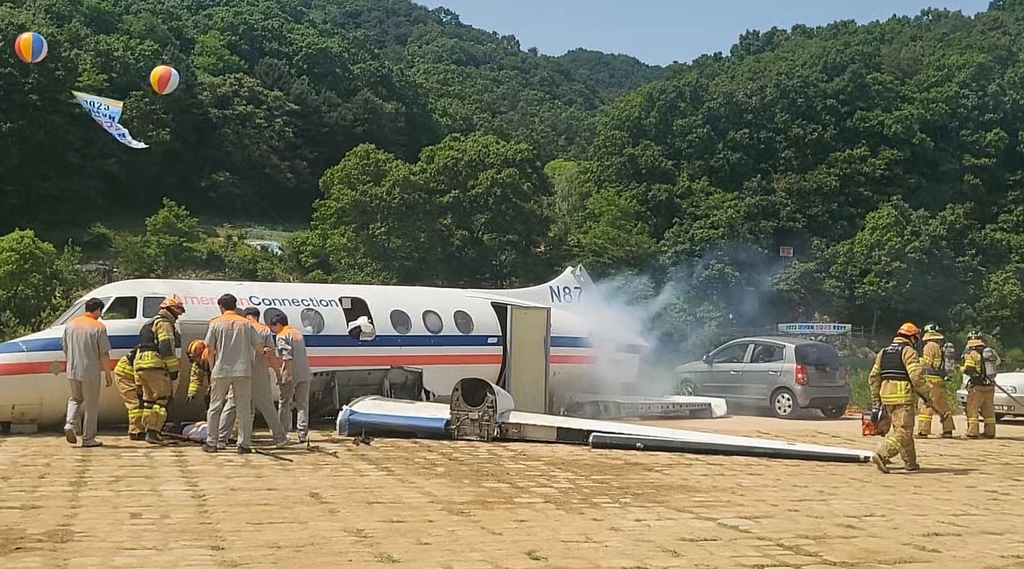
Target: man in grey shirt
column 231, row 340
column 296, row 375
column 262, row 398
column 87, row 349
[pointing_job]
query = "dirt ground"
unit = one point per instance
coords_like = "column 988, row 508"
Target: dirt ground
column 493, row 505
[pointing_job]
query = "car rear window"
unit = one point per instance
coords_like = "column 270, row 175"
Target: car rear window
column 817, row 355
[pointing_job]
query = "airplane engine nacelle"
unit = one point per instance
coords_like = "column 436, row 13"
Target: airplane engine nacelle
column 477, row 408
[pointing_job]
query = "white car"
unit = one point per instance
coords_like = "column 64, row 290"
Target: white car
column 1005, row 406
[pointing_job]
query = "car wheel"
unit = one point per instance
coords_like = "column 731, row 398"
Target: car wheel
column 783, row 404
column 687, row 387
column 833, row 412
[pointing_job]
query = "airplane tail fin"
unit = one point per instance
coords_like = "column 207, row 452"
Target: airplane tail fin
column 570, row 288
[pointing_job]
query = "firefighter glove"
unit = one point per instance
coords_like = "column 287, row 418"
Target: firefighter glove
column 174, row 376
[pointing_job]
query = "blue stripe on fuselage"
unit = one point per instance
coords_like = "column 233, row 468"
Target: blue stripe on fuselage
column 126, row 342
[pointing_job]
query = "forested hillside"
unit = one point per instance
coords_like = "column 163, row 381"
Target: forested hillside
column 888, row 155
column 272, row 94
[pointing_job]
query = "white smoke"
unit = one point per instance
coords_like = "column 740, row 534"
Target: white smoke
column 676, row 320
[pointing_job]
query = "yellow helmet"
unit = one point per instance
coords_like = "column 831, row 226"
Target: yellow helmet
column 976, row 343
column 196, row 348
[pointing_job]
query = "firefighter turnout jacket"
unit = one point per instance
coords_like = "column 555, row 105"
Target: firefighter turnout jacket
column 157, row 341
column 974, row 368
column 199, row 375
column 897, row 374
column 932, row 360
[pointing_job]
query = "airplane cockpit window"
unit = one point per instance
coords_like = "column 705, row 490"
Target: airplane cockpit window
column 122, row 308
column 151, row 305
column 401, row 322
column 269, row 315
column 463, row 321
column 76, row 310
column 312, row 321
column 433, row 322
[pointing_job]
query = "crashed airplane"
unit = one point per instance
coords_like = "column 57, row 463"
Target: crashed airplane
column 403, row 341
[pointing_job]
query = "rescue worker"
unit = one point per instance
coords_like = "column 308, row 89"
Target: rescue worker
column 124, row 376
column 296, row 375
column 262, row 397
column 895, row 382
column 156, row 366
column 231, row 340
column 86, row 347
column 199, row 371
column 981, row 386
column 933, row 361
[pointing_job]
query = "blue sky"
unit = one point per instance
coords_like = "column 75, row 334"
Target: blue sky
column 660, row 31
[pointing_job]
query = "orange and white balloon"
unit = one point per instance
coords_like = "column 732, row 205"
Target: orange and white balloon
column 30, row 47
column 163, row 79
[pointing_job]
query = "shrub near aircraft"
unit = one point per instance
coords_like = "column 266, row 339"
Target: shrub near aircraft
column 412, row 338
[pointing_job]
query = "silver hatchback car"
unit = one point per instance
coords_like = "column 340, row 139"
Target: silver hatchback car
column 784, row 373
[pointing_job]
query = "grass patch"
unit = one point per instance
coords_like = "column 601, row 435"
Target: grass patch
column 385, row 558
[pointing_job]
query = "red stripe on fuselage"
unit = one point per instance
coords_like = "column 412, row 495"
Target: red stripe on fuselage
column 43, row 367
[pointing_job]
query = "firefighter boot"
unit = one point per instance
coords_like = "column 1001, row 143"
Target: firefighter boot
column 153, row 437
column 881, row 463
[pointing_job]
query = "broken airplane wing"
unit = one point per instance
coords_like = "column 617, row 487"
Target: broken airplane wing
column 484, row 412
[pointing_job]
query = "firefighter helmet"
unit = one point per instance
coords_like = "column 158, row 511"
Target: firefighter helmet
column 909, row 330
column 196, row 348
column 172, row 304
column 976, row 343
column 931, row 327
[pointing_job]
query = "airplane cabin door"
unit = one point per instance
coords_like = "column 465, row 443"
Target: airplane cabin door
column 527, row 370
column 180, row 410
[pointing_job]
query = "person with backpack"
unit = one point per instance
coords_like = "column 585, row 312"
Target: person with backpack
column 935, row 362
column 981, row 364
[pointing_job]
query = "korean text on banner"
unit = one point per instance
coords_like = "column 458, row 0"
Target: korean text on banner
column 107, row 112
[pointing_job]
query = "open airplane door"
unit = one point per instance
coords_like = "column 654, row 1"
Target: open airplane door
column 179, row 409
column 528, row 340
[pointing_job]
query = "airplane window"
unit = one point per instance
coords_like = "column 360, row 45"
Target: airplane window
column 122, row 308
column 433, row 322
column 151, row 305
column 269, row 315
column 355, row 308
column 401, row 322
column 464, row 322
column 312, row 320
column 75, row 311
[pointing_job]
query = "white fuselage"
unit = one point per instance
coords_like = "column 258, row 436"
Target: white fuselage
column 468, row 343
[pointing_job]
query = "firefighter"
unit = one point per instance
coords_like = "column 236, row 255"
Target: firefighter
column 936, row 368
column 895, row 382
column 156, row 366
column 199, row 371
column 980, row 364
column 124, row 375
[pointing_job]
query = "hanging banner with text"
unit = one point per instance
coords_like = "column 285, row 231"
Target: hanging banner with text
column 822, row 328
column 107, row 112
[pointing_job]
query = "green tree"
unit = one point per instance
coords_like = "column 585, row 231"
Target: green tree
column 37, row 282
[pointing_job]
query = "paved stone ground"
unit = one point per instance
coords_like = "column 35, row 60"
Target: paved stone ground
column 467, row 505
